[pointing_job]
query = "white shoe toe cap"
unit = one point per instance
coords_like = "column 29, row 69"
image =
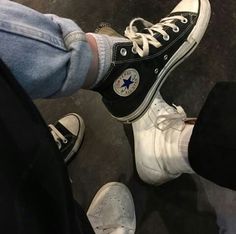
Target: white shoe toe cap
column 113, row 205
column 187, row 6
column 72, row 122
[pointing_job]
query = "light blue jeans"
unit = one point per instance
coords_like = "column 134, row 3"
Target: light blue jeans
column 48, row 55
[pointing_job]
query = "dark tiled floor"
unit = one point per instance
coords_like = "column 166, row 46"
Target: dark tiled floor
column 189, row 204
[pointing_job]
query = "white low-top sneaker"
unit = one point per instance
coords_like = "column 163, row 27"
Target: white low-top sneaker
column 112, row 210
column 156, row 138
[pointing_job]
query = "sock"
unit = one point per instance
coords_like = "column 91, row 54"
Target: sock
column 184, row 141
column 105, row 44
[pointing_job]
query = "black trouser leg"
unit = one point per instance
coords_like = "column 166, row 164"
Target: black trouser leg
column 212, row 148
column 35, row 192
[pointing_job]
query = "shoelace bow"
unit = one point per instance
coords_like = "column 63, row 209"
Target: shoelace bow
column 170, row 120
column 141, row 41
column 58, row 137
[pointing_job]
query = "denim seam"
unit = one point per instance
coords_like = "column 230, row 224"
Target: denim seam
column 32, row 34
column 75, row 36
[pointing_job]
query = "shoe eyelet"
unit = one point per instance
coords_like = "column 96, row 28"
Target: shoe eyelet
column 176, row 29
column 166, row 37
column 133, row 50
column 156, row 71
column 184, row 21
column 166, row 57
column 123, row 52
column 65, row 141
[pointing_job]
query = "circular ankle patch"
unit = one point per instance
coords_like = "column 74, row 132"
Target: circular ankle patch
column 127, row 82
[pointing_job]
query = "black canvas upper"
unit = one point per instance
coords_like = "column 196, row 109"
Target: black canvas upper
column 35, row 195
column 123, row 106
column 71, row 139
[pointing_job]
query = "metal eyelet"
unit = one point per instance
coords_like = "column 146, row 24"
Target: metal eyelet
column 156, row 71
column 166, row 37
column 166, row 57
column 123, row 52
column 134, row 51
column 65, row 141
column 184, row 21
column 176, row 29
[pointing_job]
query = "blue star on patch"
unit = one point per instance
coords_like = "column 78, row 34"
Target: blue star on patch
column 127, row 83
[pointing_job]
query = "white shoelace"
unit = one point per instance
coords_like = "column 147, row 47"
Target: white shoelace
column 164, row 122
column 57, row 135
column 141, row 41
column 170, row 120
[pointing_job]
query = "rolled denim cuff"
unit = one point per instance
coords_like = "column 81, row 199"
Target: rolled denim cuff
column 48, row 55
column 81, row 55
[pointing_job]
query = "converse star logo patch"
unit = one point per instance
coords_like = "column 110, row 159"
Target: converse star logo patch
column 127, row 82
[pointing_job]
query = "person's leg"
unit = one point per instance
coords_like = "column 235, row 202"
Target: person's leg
column 167, row 143
column 36, row 194
column 212, row 148
column 51, row 56
column 48, row 55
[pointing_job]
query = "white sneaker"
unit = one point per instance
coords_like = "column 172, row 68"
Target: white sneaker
column 112, row 210
column 156, row 138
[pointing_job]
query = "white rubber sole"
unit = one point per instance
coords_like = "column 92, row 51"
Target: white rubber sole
column 152, row 177
column 79, row 139
column 181, row 54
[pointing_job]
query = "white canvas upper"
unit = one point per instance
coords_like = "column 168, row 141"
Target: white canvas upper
column 112, row 210
column 156, row 138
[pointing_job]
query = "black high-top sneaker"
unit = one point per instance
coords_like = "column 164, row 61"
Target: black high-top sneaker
column 140, row 66
column 68, row 133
